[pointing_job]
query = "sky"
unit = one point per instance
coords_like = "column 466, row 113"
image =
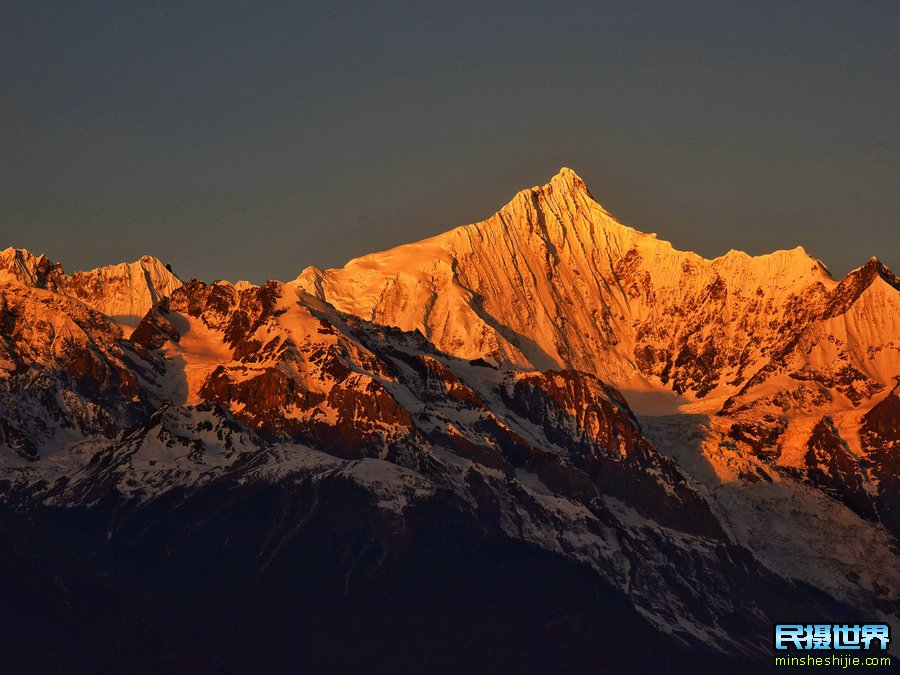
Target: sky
column 250, row 140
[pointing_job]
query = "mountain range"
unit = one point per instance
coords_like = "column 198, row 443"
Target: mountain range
column 544, row 442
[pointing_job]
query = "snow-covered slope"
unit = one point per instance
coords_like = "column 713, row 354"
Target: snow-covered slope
column 123, row 292
column 553, row 280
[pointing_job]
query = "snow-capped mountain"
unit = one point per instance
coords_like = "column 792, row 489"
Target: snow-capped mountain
column 123, row 292
column 411, row 427
column 554, row 281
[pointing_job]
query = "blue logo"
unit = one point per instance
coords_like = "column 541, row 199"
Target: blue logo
column 864, row 636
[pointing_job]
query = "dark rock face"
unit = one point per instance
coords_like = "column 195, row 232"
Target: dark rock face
column 691, row 351
column 867, row 483
column 761, row 437
column 568, row 403
column 70, row 338
column 831, row 467
column 66, row 371
column 154, row 329
column 880, row 435
column 267, row 382
column 594, row 424
column 309, row 578
column 816, row 327
column 850, row 288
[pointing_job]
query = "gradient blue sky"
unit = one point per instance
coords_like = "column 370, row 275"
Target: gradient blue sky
column 249, row 140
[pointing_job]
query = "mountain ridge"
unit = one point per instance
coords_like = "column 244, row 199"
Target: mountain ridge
column 559, row 232
column 123, row 291
column 566, row 180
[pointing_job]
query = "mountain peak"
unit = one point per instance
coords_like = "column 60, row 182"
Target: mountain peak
column 566, row 195
column 885, row 272
column 874, row 267
column 875, row 264
column 565, row 182
column 124, row 292
column 568, row 181
column 553, row 280
column 151, row 260
column 857, row 282
column 23, row 266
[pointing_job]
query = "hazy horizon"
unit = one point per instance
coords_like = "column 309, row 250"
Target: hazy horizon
column 248, row 141
column 185, row 275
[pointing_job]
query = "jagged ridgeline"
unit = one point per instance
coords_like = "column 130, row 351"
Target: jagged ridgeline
column 546, row 423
